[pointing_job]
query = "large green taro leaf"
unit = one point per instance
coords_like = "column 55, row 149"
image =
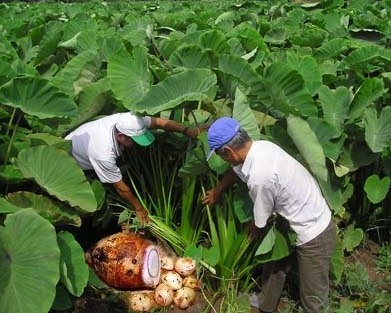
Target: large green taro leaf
column 58, row 173
column 352, row 237
column 10, row 174
column 56, row 214
column 189, row 56
column 110, row 46
column 370, row 90
column 285, row 91
column 83, row 41
column 7, row 49
column 91, row 100
column 336, row 197
column 214, row 40
column 335, row 104
column 83, row 67
column 365, row 55
column 38, row 97
column 138, row 30
column 242, row 203
column 189, row 85
column 241, row 70
column 243, row 113
column 73, row 268
column 29, row 262
column 196, row 163
column 332, row 48
column 267, row 243
column 6, row 72
column 226, row 20
column 278, row 244
column 308, row 69
column 377, row 130
column 7, row 207
column 48, row 45
column 308, row 145
column 129, row 76
column 376, row 189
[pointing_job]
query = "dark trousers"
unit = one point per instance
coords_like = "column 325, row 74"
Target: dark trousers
column 313, row 260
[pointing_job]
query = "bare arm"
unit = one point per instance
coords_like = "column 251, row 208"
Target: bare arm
column 213, row 195
column 125, row 193
column 173, row 126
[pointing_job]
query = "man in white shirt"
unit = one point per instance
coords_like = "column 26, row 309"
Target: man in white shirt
column 279, row 184
column 96, row 145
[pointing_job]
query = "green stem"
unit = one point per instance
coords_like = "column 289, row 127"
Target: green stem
column 10, row 122
column 13, row 134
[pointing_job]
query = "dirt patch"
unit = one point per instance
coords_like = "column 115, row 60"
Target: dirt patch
column 366, row 256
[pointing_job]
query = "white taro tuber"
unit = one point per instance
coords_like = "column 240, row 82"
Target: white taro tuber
column 141, row 300
column 185, row 266
column 172, row 279
column 167, row 256
column 167, row 262
column 191, row 282
column 184, row 297
column 164, row 294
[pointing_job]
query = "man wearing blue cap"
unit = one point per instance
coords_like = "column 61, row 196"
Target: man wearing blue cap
column 96, row 145
column 279, row 184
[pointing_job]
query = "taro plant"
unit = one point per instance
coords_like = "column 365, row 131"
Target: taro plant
column 32, row 254
column 230, row 237
column 176, row 218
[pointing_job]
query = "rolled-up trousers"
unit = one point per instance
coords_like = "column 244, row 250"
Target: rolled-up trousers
column 313, row 261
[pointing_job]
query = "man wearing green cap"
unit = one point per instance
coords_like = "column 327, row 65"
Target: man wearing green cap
column 96, row 145
column 279, row 184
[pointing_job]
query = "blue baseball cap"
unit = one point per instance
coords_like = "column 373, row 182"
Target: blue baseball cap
column 220, row 132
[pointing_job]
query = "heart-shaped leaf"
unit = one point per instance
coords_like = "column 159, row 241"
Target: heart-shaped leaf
column 377, row 130
column 335, row 104
column 352, row 238
column 189, row 85
column 38, row 97
column 56, row 214
column 29, row 262
column 376, row 188
column 58, row 173
column 129, row 76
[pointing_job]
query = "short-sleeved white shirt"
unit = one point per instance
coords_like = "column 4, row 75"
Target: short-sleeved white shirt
column 95, row 148
column 278, row 183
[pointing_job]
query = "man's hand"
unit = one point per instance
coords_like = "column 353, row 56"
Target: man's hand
column 173, row 126
column 126, row 194
column 255, row 232
column 193, row 132
column 142, row 215
column 211, row 197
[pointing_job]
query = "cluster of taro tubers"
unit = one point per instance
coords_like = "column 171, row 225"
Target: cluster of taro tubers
column 177, row 285
column 148, row 275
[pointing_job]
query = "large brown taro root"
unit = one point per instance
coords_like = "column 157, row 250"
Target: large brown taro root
column 125, row 261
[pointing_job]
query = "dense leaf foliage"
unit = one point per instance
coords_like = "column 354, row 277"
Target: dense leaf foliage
column 313, row 77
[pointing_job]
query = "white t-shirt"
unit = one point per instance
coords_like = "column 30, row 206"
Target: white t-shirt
column 95, row 148
column 278, row 183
